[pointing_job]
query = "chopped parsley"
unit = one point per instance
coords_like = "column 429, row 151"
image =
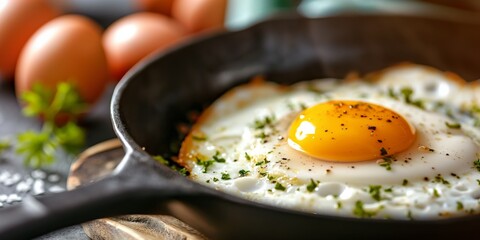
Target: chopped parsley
column 407, row 96
column 453, row 125
column 217, row 158
column 314, row 89
column 171, row 164
column 215, row 179
column 475, row 112
column 280, row 187
column 265, row 161
column 247, row 156
column 409, row 215
column 374, row 191
column 436, row 193
column 243, row 172
column 266, row 121
column 392, row 94
column 439, row 179
column 209, row 162
column 339, row 205
column 476, row 164
column 261, row 135
column 226, row 176
column 359, row 211
column 199, row 138
column 386, row 162
column 459, row 205
column 161, row 160
column 405, row 182
column 205, row 163
column 312, row 185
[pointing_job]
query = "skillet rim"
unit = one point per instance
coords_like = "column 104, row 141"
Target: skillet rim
column 131, row 147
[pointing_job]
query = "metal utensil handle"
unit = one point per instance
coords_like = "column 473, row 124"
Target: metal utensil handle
column 137, row 188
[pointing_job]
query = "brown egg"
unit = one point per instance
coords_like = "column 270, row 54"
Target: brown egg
column 19, row 19
column 133, row 37
column 158, row 6
column 66, row 49
column 200, row 15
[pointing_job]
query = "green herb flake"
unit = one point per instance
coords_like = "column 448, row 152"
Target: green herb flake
column 199, row 138
column 261, row 135
column 386, row 162
column 391, row 93
column 409, row 215
column 209, row 162
column 476, row 164
column 314, row 89
column 215, row 179
column 247, row 156
column 226, row 176
column 162, row 160
column 407, row 96
column 374, row 191
column 453, row 125
column 205, row 163
column 243, row 172
column 404, row 182
column 279, row 187
column 264, row 161
column 217, row 158
column 339, row 205
column 302, row 106
column 478, row 181
column 459, row 205
column 359, row 211
column 265, row 122
column 436, row 193
column 439, row 179
column 183, row 171
column 312, row 185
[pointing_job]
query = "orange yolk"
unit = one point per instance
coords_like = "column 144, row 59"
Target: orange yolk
column 350, row 131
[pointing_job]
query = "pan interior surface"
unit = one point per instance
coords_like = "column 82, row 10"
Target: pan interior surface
column 158, row 94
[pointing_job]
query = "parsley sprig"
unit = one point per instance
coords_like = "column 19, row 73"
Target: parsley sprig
column 39, row 148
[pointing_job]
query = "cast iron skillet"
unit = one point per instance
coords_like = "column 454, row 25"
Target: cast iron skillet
column 157, row 94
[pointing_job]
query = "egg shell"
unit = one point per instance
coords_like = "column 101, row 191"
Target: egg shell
column 18, row 22
column 133, row 37
column 158, row 6
column 200, row 15
column 66, row 49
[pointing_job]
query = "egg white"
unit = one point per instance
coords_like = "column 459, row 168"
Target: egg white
column 435, row 177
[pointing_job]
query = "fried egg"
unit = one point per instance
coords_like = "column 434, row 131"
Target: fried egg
column 402, row 143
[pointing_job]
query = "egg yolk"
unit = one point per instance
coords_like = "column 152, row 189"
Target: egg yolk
column 350, row 131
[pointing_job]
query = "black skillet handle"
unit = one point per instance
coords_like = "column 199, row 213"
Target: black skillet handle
column 138, row 187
